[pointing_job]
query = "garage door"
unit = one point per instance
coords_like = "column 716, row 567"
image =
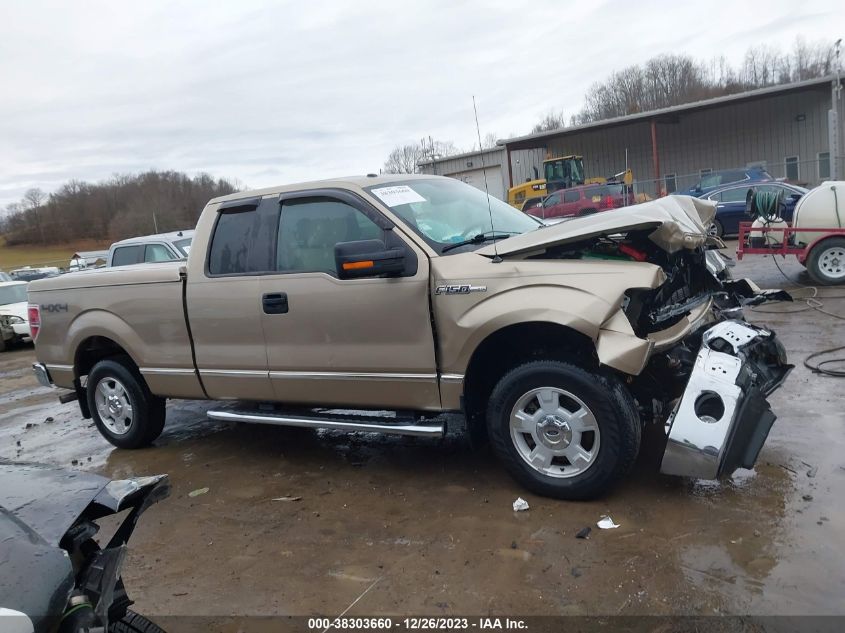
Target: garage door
column 475, row 177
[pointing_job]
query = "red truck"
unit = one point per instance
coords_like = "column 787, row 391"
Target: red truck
column 582, row 200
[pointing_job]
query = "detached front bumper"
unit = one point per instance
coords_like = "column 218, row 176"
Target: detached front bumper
column 722, row 419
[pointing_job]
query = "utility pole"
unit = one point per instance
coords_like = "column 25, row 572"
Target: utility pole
column 833, row 129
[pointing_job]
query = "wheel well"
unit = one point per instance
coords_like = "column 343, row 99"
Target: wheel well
column 516, row 344
column 94, row 349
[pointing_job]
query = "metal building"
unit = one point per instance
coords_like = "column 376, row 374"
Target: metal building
column 793, row 130
column 472, row 167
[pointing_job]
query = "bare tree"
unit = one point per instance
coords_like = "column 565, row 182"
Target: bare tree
column 32, row 201
column 117, row 208
column 551, row 121
column 405, row 159
column 668, row 80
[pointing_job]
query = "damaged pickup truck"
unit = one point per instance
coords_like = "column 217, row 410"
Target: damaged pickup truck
column 309, row 304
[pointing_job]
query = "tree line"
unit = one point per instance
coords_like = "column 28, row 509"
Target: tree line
column 123, row 206
column 669, row 80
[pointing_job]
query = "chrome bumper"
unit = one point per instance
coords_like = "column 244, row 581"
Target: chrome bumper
column 42, row 374
column 723, row 418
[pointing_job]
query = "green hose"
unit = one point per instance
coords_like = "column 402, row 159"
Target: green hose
column 765, row 205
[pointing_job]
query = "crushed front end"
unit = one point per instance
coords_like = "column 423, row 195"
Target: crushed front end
column 723, row 418
column 714, row 381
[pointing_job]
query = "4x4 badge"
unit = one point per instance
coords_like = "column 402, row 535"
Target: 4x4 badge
column 458, row 289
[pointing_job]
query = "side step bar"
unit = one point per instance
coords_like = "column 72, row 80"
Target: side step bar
column 337, row 424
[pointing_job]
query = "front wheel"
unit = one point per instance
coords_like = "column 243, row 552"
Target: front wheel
column 826, row 262
column 562, row 431
column 124, row 410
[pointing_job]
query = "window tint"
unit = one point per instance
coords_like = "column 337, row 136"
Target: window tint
column 243, row 240
column 126, row 255
column 310, row 228
column 571, row 196
column 157, row 253
column 551, row 200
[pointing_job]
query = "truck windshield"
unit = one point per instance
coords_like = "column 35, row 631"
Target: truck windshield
column 12, row 294
column 445, row 211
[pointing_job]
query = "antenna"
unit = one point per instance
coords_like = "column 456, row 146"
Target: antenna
column 496, row 259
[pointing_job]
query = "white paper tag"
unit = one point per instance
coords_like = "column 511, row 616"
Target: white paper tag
column 397, row 195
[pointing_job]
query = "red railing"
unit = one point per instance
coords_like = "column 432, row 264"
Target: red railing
column 782, row 247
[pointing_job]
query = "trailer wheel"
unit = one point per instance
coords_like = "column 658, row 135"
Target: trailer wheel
column 124, row 410
column 826, row 262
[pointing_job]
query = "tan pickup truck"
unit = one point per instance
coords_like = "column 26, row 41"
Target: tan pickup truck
column 319, row 304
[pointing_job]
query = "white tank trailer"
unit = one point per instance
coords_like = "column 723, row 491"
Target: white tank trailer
column 824, row 254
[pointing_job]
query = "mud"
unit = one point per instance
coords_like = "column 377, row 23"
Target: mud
column 412, row 526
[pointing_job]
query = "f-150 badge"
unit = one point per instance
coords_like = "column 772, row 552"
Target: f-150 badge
column 458, row 289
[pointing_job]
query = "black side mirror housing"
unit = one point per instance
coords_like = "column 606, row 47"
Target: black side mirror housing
column 367, row 258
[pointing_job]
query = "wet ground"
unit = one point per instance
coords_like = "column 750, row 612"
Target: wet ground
column 409, row 526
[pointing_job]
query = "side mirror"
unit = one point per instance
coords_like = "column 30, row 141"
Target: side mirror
column 367, row 258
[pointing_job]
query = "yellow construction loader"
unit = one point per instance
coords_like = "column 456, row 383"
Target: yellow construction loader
column 561, row 172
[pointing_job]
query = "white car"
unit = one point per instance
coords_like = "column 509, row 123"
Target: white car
column 14, row 323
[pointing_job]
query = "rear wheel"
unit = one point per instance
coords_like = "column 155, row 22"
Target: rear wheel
column 562, row 431
column 826, row 262
column 124, row 410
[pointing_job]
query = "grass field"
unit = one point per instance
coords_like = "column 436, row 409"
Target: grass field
column 49, row 255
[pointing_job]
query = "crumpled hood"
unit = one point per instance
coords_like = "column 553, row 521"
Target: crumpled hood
column 15, row 309
column 676, row 221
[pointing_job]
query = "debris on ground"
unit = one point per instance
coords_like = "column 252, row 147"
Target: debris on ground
column 606, row 523
column 576, row 573
column 584, row 532
column 807, row 497
column 48, row 419
column 520, row 505
column 288, row 499
column 198, row 492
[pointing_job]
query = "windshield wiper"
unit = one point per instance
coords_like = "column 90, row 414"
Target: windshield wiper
column 480, row 238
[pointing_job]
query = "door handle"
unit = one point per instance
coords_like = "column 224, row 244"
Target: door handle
column 275, row 303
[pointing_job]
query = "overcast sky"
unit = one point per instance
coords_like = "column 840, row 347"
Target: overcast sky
column 269, row 93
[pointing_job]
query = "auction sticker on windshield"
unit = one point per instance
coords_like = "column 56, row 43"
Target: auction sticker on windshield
column 397, row 195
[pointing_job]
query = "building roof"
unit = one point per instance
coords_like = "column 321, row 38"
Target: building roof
column 441, row 159
column 530, row 140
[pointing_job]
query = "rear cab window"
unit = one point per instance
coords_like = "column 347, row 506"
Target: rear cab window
column 126, row 255
column 243, row 241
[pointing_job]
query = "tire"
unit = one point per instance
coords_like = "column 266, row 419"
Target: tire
column 826, row 262
column 716, row 229
column 612, row 445
column 124, row 410
column 134, row 623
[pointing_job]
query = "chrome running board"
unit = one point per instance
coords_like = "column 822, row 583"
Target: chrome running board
column 337, row 424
